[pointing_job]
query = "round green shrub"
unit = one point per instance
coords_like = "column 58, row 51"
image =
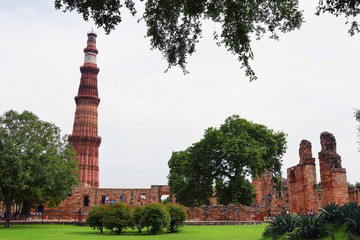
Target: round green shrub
column 138, row 212
column 177, row 216
column 118, row 216
column 95, row 217
column 155, row 217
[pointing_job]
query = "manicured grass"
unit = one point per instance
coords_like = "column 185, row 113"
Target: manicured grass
column 62, row 232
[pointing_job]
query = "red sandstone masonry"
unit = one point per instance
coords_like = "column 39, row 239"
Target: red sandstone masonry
column 304, row 195
column 85, row 137
column 333, row 176
column 268, row 196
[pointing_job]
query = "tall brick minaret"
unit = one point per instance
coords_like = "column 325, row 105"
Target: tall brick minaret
column 85, row 137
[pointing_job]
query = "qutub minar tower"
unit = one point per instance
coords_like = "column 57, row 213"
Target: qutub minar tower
column 84, row 137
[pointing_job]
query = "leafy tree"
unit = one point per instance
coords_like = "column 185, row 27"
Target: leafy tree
column 348, row 8
column 36, row 163
column 175, row 26
column 226, row 158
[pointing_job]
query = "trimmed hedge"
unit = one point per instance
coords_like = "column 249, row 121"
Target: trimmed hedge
column 118, row 216
column 138, row 212
column 155, row 217
column 95, row 217
column 178, row 216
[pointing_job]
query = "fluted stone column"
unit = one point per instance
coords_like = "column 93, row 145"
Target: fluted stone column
column 85, row 137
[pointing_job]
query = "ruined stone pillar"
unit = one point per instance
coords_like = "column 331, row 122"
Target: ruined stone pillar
column 333, row 176
column 84, row 137
column 302, row 182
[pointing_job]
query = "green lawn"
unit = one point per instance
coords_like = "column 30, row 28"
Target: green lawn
column 57, row 232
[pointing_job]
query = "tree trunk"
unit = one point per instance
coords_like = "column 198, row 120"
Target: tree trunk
column 26, row 209
column 8, row 203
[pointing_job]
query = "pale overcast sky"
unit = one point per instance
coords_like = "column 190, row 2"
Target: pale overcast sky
column 308, row 82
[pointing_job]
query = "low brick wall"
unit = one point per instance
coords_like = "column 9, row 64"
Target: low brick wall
column 202, row 223
column 190, row 223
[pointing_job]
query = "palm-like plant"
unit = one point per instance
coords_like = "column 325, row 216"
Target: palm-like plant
column 312, row 227
column 281, row 225
column 331, row 214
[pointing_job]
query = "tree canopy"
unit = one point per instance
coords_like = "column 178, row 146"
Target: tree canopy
column 175, row 26
column 37, row 165
column 223, row 161
column 350, row 9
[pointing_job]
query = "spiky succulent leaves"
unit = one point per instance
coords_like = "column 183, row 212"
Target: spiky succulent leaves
column 282, row 224
column 312, row 228
column 331, row 213
column 351, row 213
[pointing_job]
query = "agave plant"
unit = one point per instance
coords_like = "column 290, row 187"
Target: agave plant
column 351, row 212
column 281, row 225
column 331, row 213
column 312, row 227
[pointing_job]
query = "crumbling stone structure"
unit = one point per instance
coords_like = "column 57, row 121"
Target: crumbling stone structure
column 303, row 191
column 333, row 176
column 302, row 178
column 354, row 194
column 268, row 195
column 85, row 196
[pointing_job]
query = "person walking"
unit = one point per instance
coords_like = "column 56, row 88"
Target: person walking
column 80, row 215
column 269, row 214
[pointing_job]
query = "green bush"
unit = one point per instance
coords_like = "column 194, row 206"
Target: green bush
column 95, row 217
column 312, row 227
column 155, row 217
column 347, row 215
column 138, row 212
column 118, row 216
column 331, row 214
column 178, row 216
column 351, row 212
column 282, row 224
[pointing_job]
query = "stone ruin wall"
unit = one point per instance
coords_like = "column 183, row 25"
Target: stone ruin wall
column 354, row 194
column 69, row 208
column 268, row 196
column 302, row 178
column 299, row 191
column 333, row 176
column 303, row 191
